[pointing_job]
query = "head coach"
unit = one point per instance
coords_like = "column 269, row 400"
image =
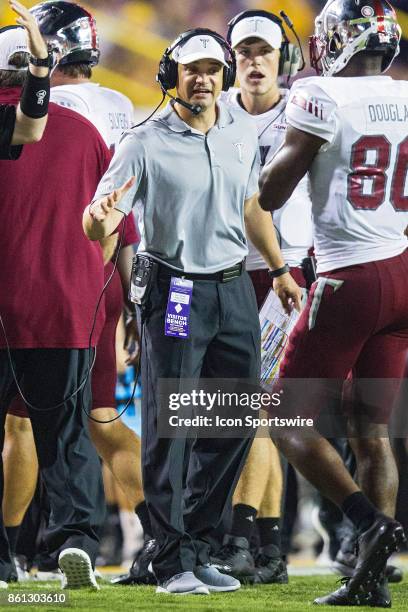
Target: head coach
column 26, row 122
column 196, row 167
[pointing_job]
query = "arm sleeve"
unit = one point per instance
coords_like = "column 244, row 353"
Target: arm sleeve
column 311, row 110
column 129, row 160
column 7, row 123
column 252, row 187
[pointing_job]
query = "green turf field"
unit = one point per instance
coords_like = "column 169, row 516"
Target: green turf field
column 298, row 595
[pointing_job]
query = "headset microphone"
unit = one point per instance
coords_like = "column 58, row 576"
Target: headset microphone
column 196, row 109
column 291, row 26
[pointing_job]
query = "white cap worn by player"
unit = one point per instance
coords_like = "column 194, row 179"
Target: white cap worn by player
column 197, row 48
column 12, row 41
column 257, row 27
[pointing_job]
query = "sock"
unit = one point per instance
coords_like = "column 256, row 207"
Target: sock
column 131, row 533
column 361, row 512
column 269, row 532
column 243, row 520
column 12, row 535
column 144, row 518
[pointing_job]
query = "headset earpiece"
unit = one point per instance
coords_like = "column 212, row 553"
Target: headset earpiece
column 167, row 75
column 290, row 60
column 230, row 73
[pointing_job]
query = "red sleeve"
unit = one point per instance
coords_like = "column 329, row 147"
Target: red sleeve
column 132, row 235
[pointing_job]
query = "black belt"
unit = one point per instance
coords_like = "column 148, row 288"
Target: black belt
column 224, row 276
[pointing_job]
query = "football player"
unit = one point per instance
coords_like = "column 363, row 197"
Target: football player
column 347, row 130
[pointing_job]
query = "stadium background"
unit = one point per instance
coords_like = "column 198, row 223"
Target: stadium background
column 134, row 34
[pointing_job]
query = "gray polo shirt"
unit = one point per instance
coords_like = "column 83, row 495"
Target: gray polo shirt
column 190, row 188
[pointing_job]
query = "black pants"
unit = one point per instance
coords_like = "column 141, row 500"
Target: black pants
column 68, row 462
column 224, row 342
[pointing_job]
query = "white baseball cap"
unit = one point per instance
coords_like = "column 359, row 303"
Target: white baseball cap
column 12, row 40
column 202, row 46
column 257, row 27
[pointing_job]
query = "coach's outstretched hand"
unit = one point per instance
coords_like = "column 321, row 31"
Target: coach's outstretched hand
column 289, row 292
column 101, row 217
column 100, row 209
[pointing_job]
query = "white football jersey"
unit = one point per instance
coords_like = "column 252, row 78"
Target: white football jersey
column 110, row 111
column 293, row 221
column 358, row 180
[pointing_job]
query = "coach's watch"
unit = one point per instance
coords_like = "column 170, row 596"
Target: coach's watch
column 279, row 271
column 45, row 62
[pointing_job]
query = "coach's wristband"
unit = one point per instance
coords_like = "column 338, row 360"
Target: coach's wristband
column 36, row 96
column 279, row 271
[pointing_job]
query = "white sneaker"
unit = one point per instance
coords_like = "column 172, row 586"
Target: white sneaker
column 183, row 584
column 3, row 584
column 214, row 580
column 77, row 569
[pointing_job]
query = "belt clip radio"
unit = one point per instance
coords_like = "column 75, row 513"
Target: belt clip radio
column 309, row 271
column 144, row 272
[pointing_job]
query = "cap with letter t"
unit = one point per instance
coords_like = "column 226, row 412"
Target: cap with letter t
column 202, row 46
column 257, row 26
column 13, row 39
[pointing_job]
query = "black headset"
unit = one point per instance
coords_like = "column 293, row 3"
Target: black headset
column 167, row 75
column 291, row 56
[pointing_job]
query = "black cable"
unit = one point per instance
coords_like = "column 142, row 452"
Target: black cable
column 137, row 370
column 151, row 114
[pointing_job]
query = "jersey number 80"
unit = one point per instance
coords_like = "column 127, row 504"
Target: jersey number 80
column 373, row 174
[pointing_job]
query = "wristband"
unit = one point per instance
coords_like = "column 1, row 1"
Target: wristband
column 36, row 96
column 42, row 62
column 279, row 271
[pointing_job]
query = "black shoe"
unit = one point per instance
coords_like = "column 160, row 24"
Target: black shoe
column 270, row 568
column 375, row 546
column 234, row 558
column 346, row 560
column 379, row 597
column 139, row 572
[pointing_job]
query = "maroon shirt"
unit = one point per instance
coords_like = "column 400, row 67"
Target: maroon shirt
column 51, row 275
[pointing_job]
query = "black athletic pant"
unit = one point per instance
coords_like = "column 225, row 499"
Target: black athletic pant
column 69, row 465
column 224, row 342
